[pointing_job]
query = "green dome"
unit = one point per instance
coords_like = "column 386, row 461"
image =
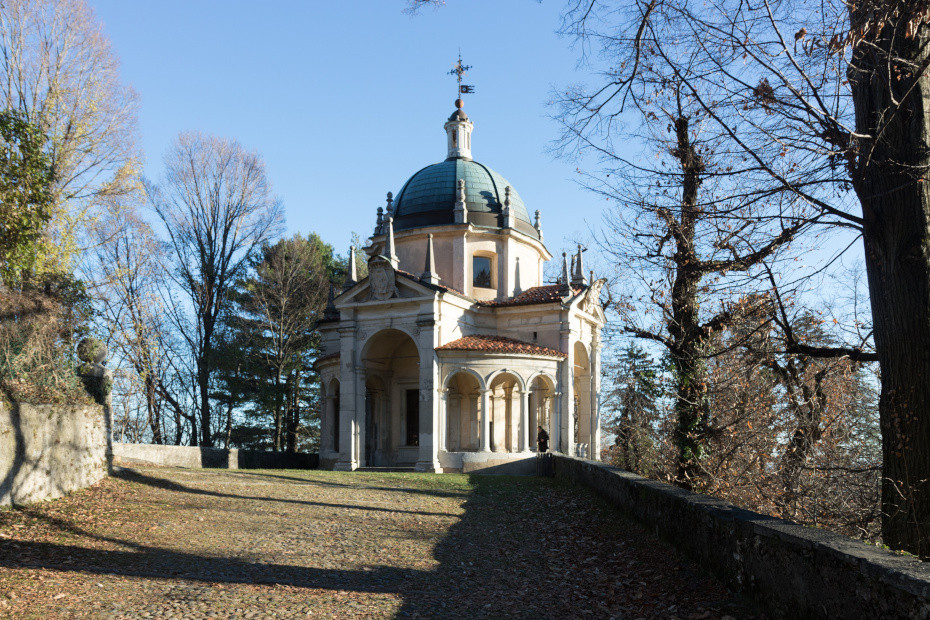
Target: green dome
column 428, row 198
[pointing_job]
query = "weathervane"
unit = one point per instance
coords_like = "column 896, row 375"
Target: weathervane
column 458, row 71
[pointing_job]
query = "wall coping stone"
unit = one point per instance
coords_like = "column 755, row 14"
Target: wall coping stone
column 196, row 457
column 797, row 571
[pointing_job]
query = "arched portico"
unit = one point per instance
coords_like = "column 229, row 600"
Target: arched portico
column 582, row 395
column 462, row 411
column 505, row 405
column 390, row 431
column 541, row 402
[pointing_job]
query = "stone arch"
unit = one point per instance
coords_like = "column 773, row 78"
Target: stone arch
column 505, row 389
column 582, row 389
column 390, row 430
column 474, row 373
column 491, row 378
column 541, row 402
column 462, row 397
column 379, row 335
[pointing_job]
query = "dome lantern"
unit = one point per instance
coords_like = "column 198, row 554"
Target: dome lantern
column 458, row 133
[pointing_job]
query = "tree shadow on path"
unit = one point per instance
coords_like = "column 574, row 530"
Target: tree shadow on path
column 521, row 548
column 170, row 485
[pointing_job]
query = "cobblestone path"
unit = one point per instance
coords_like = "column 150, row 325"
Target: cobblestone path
column 170, row 543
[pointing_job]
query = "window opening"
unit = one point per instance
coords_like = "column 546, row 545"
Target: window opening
column 481, row 271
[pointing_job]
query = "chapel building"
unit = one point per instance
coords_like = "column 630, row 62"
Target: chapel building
column 453, row 350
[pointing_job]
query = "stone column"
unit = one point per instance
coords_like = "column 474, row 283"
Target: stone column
column 98, row 381
column 555, row 423
column 348, row 427
column 485, row 421
column 567, row 389
column 525, row 421
column 444, row 420
column 428, row 340
column 594, row 451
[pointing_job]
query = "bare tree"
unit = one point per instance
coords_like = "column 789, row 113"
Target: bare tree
column 129, row 282
column 828, row 101
column 58, row 72
column 217, row 207
column 690, row 244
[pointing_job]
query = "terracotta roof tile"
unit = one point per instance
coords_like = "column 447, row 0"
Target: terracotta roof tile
column 416, row 278
column 537, row 295
column 498, row 344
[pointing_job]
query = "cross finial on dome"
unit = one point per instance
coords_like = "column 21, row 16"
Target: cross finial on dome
column 458, row 70
column 458, row 127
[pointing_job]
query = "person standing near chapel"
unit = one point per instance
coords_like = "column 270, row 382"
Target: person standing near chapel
column 542, row 439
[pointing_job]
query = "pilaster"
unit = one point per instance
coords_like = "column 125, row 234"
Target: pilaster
column 348, row 424
column 428, row 340
column 567, row 427
column 485, row 421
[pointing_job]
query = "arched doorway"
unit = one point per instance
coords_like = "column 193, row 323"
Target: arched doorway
column 463, row 417
column 541, row 399
column 374, row 415
column 504, row 405
column 582, row 390
column 391, row 426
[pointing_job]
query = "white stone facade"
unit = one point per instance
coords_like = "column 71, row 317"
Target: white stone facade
column 429, row 365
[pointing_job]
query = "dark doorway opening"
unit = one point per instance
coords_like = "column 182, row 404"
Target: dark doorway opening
column 413, row 417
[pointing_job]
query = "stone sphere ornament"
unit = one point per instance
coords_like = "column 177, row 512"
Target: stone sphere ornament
column 92, row 351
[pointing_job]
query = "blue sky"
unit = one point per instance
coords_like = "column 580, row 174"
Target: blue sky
column 346, row 100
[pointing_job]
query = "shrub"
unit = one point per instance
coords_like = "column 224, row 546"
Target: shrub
column 38, row 329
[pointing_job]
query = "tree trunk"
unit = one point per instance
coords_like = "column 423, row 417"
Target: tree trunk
column 277, row 412
column 691, row 404
column 293, row 411
column 204, row 370
column 203, row 383
column 808, row 404
column 895, row 197
column 153, row 410
column 228, row 433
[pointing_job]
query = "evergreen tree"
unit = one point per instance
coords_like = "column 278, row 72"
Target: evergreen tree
column 631, row 410
column 269, row 345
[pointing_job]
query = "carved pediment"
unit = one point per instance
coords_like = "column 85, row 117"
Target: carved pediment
column 591, row 300
column 382, row 279
column 384, row 283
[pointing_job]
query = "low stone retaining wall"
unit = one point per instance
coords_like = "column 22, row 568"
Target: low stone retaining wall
column 47, row 451
column 798, row 572
column 137, row 454
column 516, row 464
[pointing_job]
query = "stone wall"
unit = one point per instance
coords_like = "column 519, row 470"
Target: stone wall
column 797, row 572
column 135, row 454
column 47, row 451
column 488, row 463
